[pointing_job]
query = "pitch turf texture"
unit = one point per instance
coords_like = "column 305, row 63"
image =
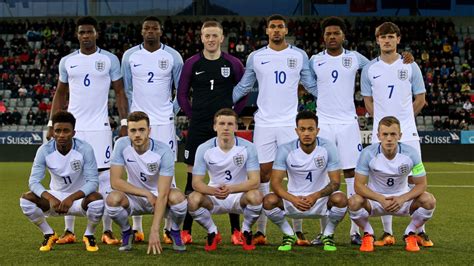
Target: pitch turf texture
column 450, row 229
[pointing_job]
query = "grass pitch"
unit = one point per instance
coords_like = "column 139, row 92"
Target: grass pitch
column 450, row 229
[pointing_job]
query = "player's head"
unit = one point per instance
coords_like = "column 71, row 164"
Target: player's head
column 86, row 28
column 307, row 127
column 151, row 29
column 334, row 29
column 138, row 125
column 212, row 36
column 225, row 123
column 388, row 132
column 387, row 36
column 276, row 29
column 63, row 127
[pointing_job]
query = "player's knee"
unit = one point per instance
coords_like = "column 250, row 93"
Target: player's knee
column 270, row 201
column 113, row 199
column 194, row 201
column 427, row 200
column 339, row 200
column 254, row 197
column 175, row 196
column 355, row 202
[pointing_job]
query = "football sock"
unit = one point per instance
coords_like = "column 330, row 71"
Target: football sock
column 335, row 216
column 35, row 215
column 203, row 217
column 262, row 220
column 95, row 210
column 277, row 216
column 251, row 214
column 177, row 214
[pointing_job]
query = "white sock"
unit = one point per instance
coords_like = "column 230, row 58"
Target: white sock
column 168, row 223
column 297, row 225
column 177, row 214
column 418, row 218
column 277, row 216
column 137, row 223
column 361, row 218
column 119, row 215
column 350, row 193
column 94, row 212
column 323, row 222
column 203, row 217
column 262, row 220
column 251, row 214
column 420, row 229
column 35, row 215
column 387, row 223
column 69, row 222
column 335, row 216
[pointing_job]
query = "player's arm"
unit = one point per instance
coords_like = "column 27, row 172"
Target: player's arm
column 117, row 183
column 253, row 182
column 59, row 103
column 239, row 71
column 127, row 77
column 360, row 187
column 366, row 90
column 398, row 201
column 200, row 186
column 334, row 184
column 184, row 87
column 308, row 76
column 122, row 105
column 246, row 83
column 418, row 103
column 154, row 243
column 37, row 175
column 176, row 74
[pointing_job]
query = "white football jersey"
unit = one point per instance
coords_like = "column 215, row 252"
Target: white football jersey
column 70, row 173
column 278, row 74
column 335, row 79
column 389, row 176
column 89, row 78
column 143, row 170
column 148, row 79
column 307, row 173
column 392, row 88
column 226, row 168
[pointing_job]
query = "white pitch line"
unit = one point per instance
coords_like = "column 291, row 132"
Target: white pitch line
column 464, row 163
column 451, row 172
column 452, row 186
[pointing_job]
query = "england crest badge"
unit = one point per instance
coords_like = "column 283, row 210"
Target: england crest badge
column 347, row 62
column 320, row 162
column 163, row 64
column 292, row 62
column 100, row 65
column 152, row 167
column 225, row 72
column 76, row 165
column 402, row 74
column 239, row 160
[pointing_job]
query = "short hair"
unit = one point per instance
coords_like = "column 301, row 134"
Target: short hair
column 87, row 20
column 388, row 121
column 333, row 21
column 152, row 18
column 276, row 17
column 212, row 23
column 138, row 116
column 306, row 115
column 387, row 28
column 64, row 117
column 226, row 112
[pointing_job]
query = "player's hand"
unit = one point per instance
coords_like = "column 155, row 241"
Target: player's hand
column 311, row 199
column 222, row 192
column 301, row 203
column 154, row 243
column 408, row 57
column 396, row 205
column 123, row 131
column 151, row 198
column 386, row 203
column 54, row 203
column 63, row 208
column 49, row 134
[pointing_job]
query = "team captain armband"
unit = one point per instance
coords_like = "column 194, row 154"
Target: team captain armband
column 418, row 169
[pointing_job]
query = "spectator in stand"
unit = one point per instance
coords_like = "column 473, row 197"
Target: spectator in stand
column 41, row 118
column 22, row 92
column 7, row 118
column 467, row 105
column 16, row 116
column 30, row 117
